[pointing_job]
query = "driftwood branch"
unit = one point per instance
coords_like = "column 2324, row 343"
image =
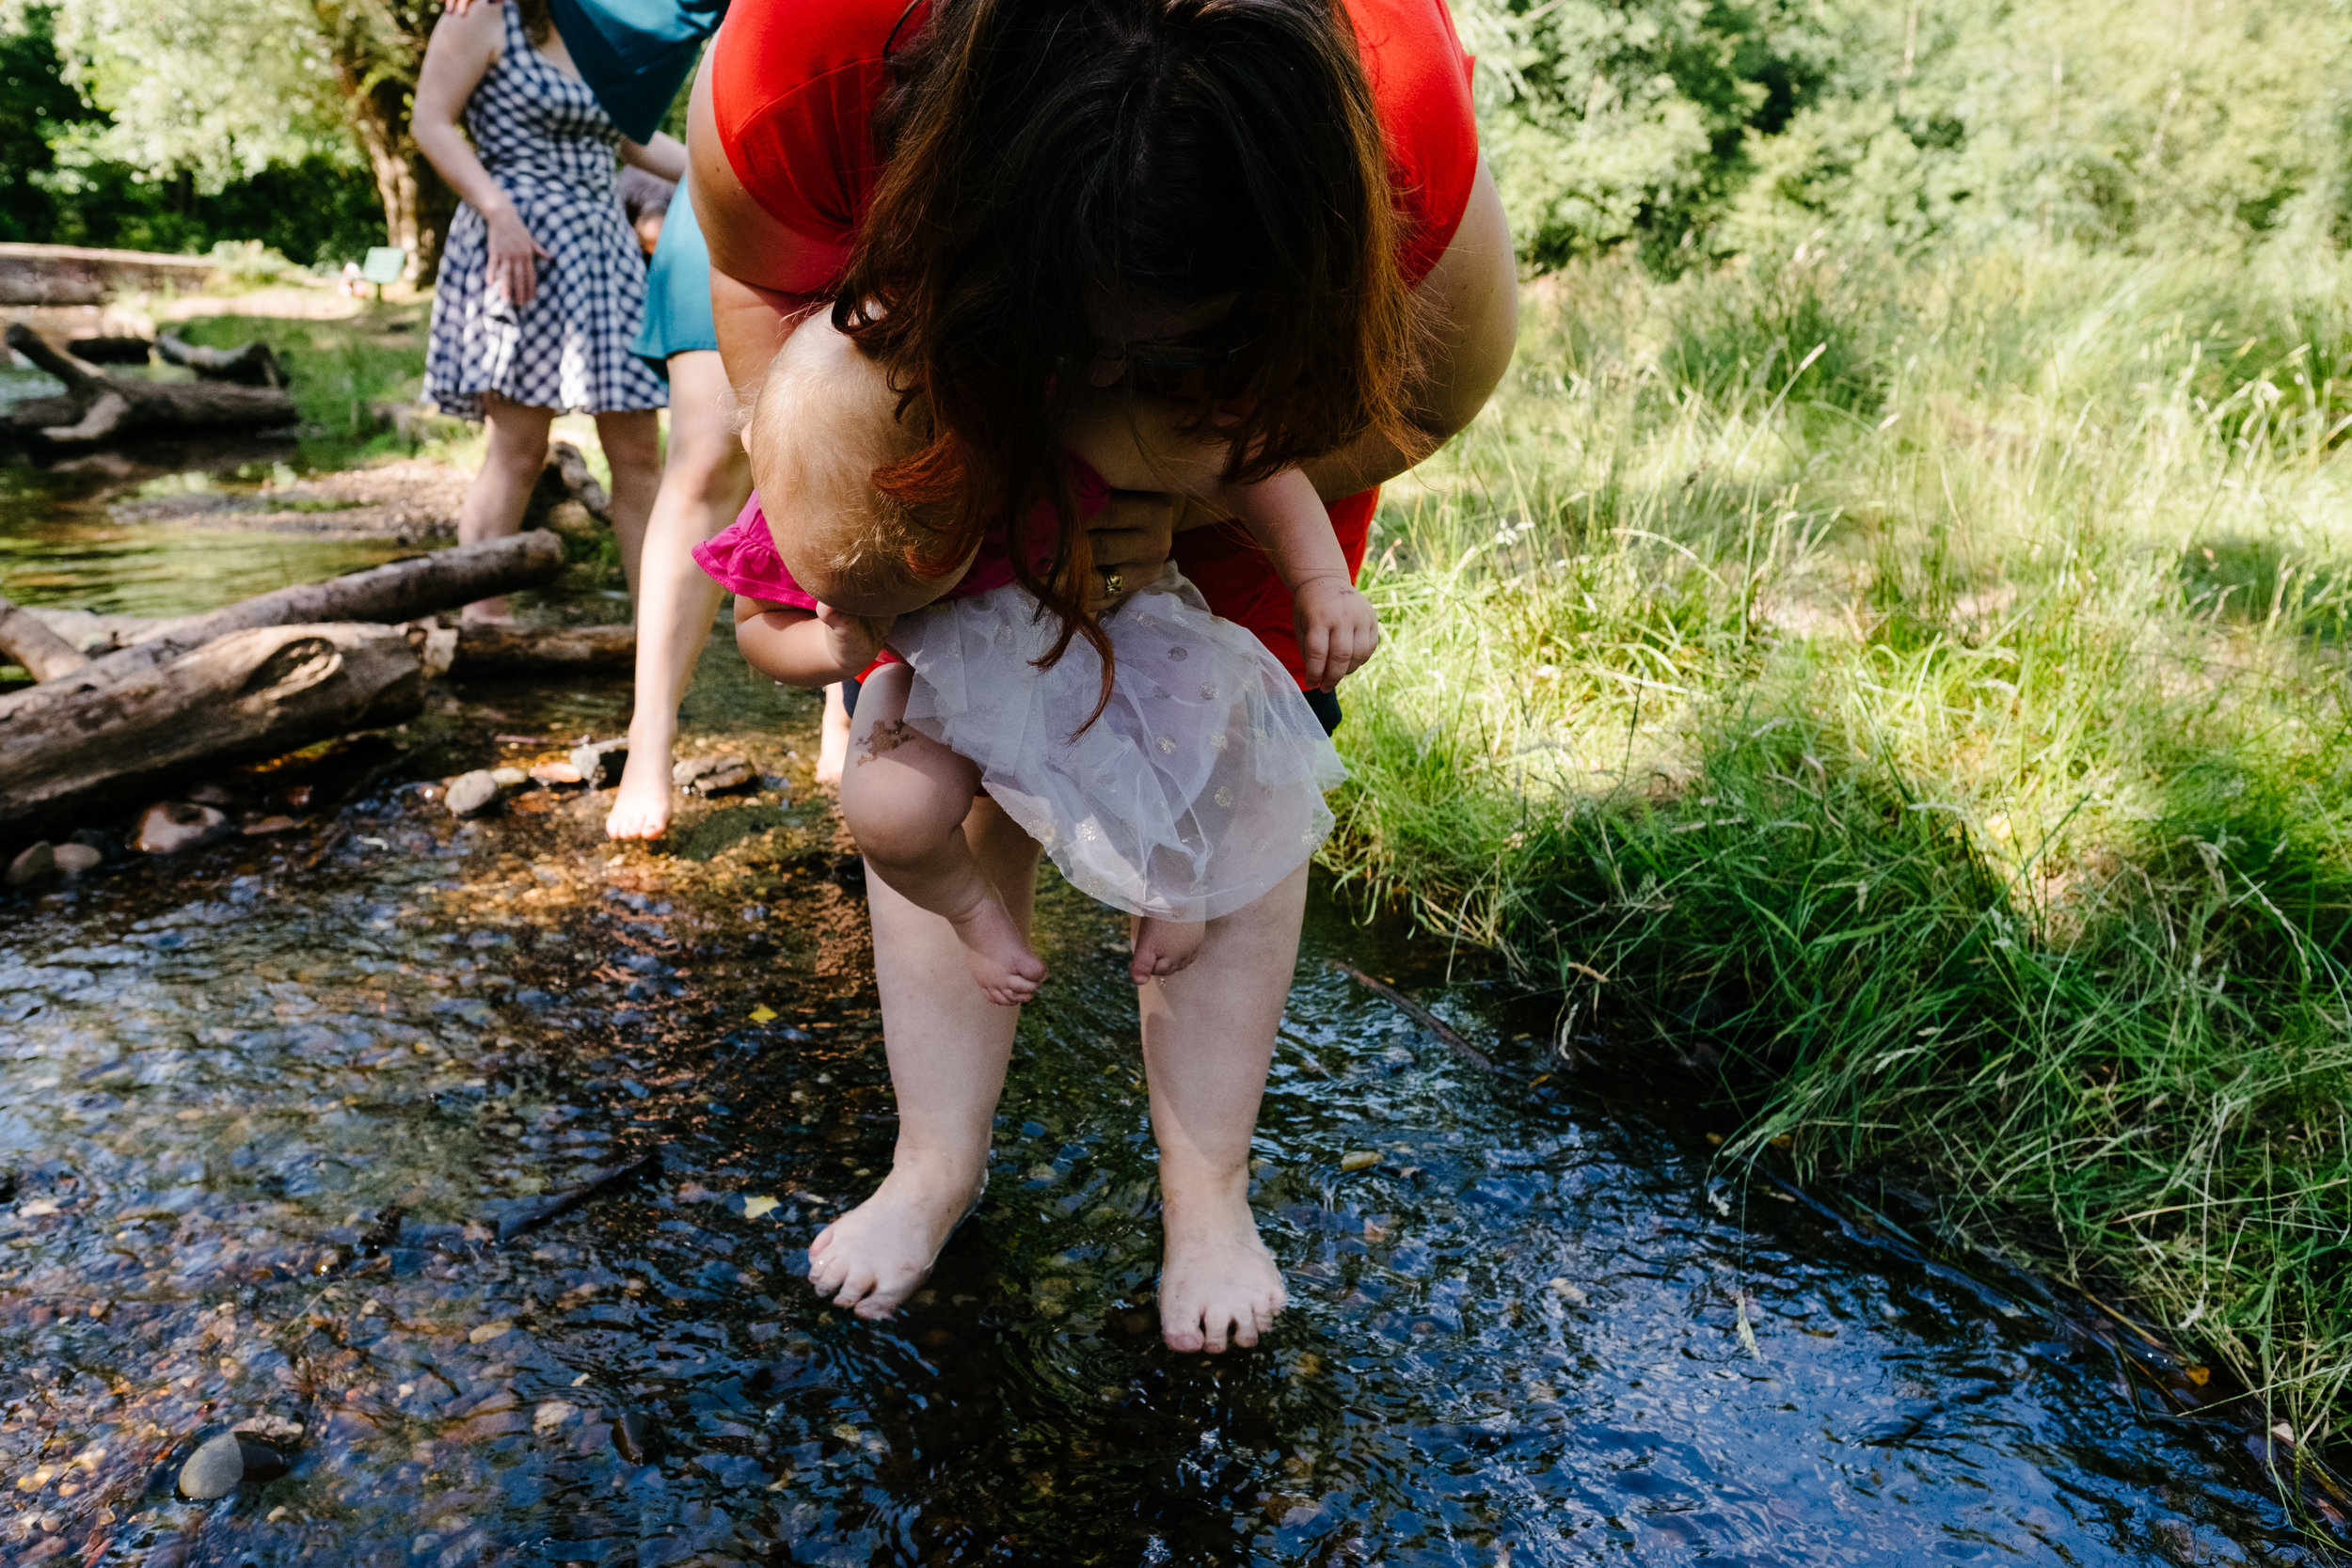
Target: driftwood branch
column 248, row 365
column 250, row 695
column 26, row 638
column 98, row 407
column 487, row 650
column 400, row 591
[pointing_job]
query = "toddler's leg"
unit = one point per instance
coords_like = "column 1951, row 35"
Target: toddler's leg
column 905, row 796
column 1164, row 947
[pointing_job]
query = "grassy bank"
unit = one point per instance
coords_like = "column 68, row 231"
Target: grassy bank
column 1923, row 690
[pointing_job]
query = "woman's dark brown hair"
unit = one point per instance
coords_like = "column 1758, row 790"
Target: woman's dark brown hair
column 1042, row 155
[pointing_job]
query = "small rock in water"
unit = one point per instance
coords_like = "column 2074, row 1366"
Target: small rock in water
column 214, row 1470
column 282, row 1432
column 472, row 794
column 713, row 775
column 599, row 762
column 36, row 866
column 509, row 778
column 555, row 772
column 632, row 1435
column 1359, row 1159
column 74, row 859
column 169, row 827
column 261, row 1461
column 279, row 823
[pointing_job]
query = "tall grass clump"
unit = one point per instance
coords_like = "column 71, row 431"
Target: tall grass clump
column 1922, row 690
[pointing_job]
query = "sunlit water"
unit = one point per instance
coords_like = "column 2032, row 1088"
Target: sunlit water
column 275, row 1130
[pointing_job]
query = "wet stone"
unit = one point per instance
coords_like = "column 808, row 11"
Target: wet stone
column 214, row 1470
column 74, row 859
column 35, row 865
column 472, row 794
column 599, row 762
column 169, row 827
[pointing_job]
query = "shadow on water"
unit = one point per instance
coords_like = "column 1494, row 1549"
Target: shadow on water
column 292, row 1127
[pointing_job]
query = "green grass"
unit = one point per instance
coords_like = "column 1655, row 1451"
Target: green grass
column 1946, row 729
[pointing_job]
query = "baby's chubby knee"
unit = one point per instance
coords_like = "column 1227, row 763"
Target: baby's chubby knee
column 896, row 813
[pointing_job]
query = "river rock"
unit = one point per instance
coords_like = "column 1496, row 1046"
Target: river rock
column 214, row 1470
column 599, row 762
column 33, row 866
column 262, row 1463
column 472, row 794
column 281, row 1432
column 169, row 827
column 509, row 778
column 633, row 1437
column 713, row 775
column 74, row 859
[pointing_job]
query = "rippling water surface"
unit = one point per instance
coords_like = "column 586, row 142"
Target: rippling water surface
column 454, row 1150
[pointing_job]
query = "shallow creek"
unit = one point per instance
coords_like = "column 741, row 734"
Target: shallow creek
column 287, row 1120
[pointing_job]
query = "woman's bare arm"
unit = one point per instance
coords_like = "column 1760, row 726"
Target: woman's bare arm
column 665, row 156
column 1471, row 300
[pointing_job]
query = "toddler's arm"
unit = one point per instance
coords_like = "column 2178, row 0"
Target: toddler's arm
column 803, row 647
column 1137, row 445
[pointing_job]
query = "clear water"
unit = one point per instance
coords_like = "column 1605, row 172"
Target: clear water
column 268, row 1119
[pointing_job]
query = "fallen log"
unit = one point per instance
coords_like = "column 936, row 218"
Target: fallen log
column 400, row 591
column 26, row 638
column 248, row 365
column 97, row 407
column 246, row 697
column 487, row 650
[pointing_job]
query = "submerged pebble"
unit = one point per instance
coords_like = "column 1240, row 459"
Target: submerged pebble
column 214, row 1470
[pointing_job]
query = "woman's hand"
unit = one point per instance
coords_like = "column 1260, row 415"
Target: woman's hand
column 514, row 256
column 1130, row 539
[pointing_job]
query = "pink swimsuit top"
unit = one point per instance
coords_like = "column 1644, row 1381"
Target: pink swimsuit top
column 743, row 557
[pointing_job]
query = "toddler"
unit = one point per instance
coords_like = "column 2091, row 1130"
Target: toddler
column 1199, row 787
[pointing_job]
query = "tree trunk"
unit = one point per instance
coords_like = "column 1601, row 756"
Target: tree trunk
column 241, row 698
column 97, row 408
column 400, row 591
column 378, row 48
column 26, row 638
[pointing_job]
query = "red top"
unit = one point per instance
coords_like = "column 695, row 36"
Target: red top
column 793, row 87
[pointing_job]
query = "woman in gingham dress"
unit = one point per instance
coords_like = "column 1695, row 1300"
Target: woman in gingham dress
column 542, row 285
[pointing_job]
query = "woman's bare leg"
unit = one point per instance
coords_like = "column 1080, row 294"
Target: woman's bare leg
column 1208, row 1038
column 832, row 743
column 632, row 450
column 703, row 487
column 500, row 488
column 948, row 1047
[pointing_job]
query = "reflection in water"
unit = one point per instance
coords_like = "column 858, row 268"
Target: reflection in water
column 57, row 545
column 269, row 1129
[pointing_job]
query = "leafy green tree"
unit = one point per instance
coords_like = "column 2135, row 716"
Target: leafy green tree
column 219, row 90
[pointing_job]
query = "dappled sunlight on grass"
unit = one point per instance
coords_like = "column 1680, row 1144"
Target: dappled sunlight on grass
column 1948, row 728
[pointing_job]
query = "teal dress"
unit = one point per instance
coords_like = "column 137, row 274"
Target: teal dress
column 677, row 291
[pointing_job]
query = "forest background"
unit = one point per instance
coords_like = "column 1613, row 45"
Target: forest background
column 1883, row 648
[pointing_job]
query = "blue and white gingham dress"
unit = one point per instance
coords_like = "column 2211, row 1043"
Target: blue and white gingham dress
column 543, row 140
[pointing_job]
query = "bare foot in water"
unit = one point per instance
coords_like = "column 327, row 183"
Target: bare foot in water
column 1218, row 1284
column 877, row 1254
column 641, row 806
column 1164, row 947
column 995, row 951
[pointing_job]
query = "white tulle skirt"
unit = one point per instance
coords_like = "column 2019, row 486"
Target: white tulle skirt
column 1197, row 791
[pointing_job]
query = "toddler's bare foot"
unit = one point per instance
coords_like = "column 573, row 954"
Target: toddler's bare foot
column 1218, row 1284
column 641, row 806
column 1000, row 960
column 1164, row 947
column 877, row 1254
